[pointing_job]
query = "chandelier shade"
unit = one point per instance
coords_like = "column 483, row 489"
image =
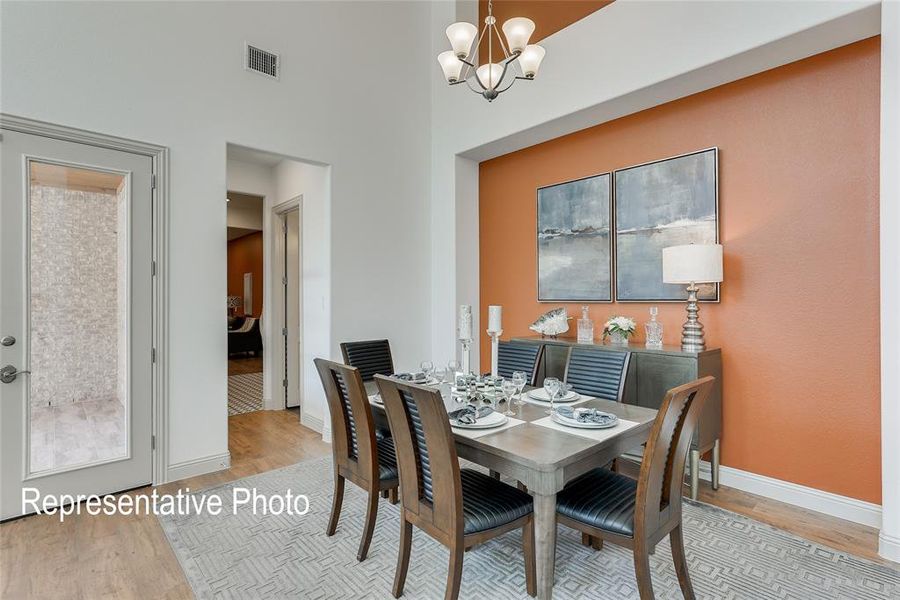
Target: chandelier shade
column 471, row 59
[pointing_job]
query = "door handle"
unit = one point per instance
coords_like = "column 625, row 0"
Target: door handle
column 9, row 373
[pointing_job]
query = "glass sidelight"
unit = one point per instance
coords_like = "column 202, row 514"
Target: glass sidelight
column 77, row 314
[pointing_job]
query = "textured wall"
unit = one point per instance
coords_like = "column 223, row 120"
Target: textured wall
column 76, row 276
column 798, row 323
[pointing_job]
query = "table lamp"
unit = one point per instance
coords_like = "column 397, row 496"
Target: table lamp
column 692, row 264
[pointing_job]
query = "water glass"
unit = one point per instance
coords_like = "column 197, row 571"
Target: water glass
column 520, row 379
column 427, row 368
column 551, row 386
column 508, row 387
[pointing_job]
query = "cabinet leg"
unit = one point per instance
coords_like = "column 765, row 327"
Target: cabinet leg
column 714, row 474
column 695, row 473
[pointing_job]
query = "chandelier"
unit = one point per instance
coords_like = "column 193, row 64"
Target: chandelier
column 520, row 60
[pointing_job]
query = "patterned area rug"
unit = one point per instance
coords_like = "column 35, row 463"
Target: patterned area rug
column 730, row 556
column 245, row 393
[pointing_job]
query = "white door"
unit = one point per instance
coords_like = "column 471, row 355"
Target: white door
column 75, row 320
column 292, row 271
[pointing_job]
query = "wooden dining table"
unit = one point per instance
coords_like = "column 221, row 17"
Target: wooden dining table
column 544, row 459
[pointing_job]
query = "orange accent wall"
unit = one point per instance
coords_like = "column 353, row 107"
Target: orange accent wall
column 798, row 321
column 245, row 255
column 549, row 16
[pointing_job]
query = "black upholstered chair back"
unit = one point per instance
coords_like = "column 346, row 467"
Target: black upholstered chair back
column 352, row 423
column 371, row 357
column 512, row 357
column 662, row 470
column 598, row 373
column 430, row 484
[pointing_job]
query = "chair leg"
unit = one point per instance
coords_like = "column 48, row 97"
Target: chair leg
column 642, row 573
column 676, row 538
column 454, row 572
column 596, row 543
column 530, row 563
column 369, row 527
column 406, row 530
column 585, row 539
column 392, row 496
column 384, row 494
column 336, row 501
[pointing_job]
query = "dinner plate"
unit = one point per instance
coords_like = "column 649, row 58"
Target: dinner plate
column 495, row 419
column 557, row 418
column 541, row 395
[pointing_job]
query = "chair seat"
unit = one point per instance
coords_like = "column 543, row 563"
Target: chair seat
column 387, row 459
column 489, row 503
column 601, row 499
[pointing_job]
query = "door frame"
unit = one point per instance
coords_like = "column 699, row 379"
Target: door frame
column 160, row 196
column 277, row 340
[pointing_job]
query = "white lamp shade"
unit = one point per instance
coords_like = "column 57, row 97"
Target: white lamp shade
column 530, row 60
column 451, row 65
column 692, row 263
column 518, row 31
column 461, row 36
column 489, row 75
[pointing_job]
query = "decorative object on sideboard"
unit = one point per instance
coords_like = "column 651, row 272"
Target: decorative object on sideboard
column 495, row 328
column 520, row 60
column 585, row 327
column 692, row 264
column 653, row 330
column 573, row 241
column 618, row 329
column 464, row 334
column 668, row 202
column 552, row 323
column 233, row 303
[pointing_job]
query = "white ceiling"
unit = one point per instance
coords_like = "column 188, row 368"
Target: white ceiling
column 249, row 155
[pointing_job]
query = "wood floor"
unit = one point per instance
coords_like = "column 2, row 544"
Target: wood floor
column 129, row 557
column 242, row 365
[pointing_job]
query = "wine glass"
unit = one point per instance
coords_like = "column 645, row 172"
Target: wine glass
column 509, row 387
column 427, row 368
column 520, row 379
column 551, row 386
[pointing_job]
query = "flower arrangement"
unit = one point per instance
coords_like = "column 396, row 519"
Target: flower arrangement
column 620, row 328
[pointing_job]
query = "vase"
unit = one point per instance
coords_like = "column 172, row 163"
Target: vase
column 618, row 338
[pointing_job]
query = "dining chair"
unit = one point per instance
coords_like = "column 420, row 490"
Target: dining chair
column 459, row 508
column 371, row 357
column 598, row 373
column 512, row 357
column 605, row 505
column 359, row 456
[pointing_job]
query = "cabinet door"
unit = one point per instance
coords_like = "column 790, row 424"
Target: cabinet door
column 656, row 374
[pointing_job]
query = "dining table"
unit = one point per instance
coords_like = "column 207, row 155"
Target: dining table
column 542, row 455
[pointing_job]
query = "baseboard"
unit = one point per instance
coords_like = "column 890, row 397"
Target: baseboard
column 198, row 466
column 809, row 498
column 889, row 547
column 312, row 422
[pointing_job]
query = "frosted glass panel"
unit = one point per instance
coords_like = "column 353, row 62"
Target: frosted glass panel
column 78, row 316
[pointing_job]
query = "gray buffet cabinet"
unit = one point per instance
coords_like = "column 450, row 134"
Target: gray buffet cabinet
column 651, row 373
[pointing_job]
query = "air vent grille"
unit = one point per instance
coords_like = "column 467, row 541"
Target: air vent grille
column 261, row 61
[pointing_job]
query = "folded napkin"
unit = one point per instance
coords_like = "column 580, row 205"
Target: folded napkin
column 413, row 377
column 586, row 415
column 467, row 415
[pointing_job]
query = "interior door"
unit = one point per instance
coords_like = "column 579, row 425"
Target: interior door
column 75, row 319
column 292, row 271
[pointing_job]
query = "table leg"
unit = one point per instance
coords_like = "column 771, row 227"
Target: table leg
column 545, row 543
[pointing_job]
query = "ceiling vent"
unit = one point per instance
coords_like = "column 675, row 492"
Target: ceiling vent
column 261, row 61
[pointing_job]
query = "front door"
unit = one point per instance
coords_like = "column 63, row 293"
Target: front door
column 75, row 320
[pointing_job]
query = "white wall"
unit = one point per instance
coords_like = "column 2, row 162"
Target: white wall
column 170, row 73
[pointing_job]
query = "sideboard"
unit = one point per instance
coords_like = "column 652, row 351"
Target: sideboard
column 651, row 372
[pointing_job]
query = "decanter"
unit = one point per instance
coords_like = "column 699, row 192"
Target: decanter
column 654, row 330
column 585, row 327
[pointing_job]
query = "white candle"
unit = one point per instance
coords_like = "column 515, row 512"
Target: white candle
column 495, row 318
column 465, row 322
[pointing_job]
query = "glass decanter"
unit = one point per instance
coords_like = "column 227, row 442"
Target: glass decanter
column 654, row 330
column 585, row 327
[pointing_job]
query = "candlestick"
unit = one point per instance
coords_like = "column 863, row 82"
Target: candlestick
column 495, row 351
column 495, row 318
column 464, row 323
column 466, row 360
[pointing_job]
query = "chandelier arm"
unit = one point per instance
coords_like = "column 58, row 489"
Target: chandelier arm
column 475, row 77
column 506, row 53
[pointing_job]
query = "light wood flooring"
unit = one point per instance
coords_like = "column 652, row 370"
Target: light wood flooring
column 129, row 557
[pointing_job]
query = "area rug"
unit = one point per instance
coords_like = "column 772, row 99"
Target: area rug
column 245, row 393
column 730, row 556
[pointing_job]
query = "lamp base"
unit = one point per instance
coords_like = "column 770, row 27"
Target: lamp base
column 692, row 339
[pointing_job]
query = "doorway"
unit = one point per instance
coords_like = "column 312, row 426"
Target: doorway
column 291, row 329
column 77, row 326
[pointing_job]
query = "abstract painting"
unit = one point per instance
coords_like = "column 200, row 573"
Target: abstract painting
column 664, row 203
column 573, row 239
